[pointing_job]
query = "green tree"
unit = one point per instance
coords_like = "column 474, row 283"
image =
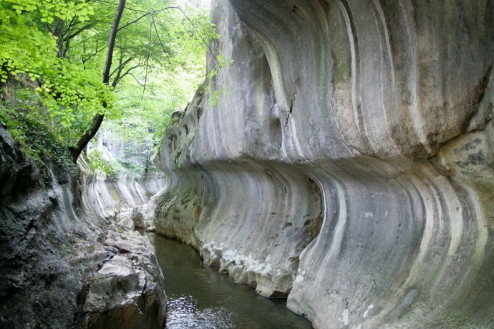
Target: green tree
column 64, row 46
column 98, row 117
column 71, row 92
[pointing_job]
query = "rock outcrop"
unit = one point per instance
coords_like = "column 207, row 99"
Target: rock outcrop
column 127, row 291
column 58, row 255
column 345, row 159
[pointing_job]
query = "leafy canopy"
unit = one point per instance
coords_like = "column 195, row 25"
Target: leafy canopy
column 61, row 46
column 70, row 91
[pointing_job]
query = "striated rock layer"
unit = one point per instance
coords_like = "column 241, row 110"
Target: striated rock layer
column 348, row 161
column 62, row 265
column 109, row 196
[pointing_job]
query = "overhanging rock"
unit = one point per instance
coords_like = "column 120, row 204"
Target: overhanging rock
column 345, row 159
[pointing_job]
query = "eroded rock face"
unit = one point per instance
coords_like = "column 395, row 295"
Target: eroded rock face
column 348, row 162
column 57, row 253
column 46, row 251
column 108, row 196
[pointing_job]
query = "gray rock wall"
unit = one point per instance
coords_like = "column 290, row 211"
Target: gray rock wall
column 348, row 163
column 46, row 250
column 109, row 195
column 62, row 264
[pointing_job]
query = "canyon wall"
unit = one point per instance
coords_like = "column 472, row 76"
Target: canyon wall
column 63, row 263
column 109, row 196
column 343, row 158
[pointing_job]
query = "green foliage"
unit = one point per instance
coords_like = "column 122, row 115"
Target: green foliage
column 99, row 165
column 71, row 93
column 26, row 46
column 35, row 139
column 215, row 94
column 48, row 10
column 223, row 62
column 74, row 99
column 154, row 36
column 132, row 169
column 58, row 48
column 144, row 120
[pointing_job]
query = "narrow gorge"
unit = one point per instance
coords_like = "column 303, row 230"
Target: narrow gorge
column 339, row 155
column 344, row 159
column 69, row 255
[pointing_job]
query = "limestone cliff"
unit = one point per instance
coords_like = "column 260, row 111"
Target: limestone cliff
column 348, row 162
column 110, row 196
column 62, row 264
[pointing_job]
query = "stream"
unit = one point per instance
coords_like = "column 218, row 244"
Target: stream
column 199, row 297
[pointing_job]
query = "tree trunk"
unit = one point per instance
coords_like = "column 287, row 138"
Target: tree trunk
column 98, row 118
column 111, row 41
column 84, row 140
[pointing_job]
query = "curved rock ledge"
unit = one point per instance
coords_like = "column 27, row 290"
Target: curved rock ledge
column 348, row 162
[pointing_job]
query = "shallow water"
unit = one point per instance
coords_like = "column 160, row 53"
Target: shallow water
column 199, row 297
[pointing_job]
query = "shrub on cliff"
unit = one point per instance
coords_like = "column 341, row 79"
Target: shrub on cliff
column 35, row 139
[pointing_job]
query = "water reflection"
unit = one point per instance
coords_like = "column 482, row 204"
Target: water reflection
column 198, row 297
column 183, row 313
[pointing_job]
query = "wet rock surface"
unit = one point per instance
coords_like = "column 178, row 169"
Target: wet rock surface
column 348, row 161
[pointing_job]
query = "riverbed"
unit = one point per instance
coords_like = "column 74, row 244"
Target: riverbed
column 199, row 297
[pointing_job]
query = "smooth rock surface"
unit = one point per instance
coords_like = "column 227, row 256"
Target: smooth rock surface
column 110, row 196
column 348, row 162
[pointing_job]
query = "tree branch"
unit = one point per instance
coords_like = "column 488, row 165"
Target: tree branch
column 161, row 43
column 195, row 29
column 62, row 35
column 121, row 65
column 146, row 14
column 137, row 80
column 98, row 118
column 79, row 31
column 150, row 43
column 111, row 41
column 116, row 81
column 96, row 51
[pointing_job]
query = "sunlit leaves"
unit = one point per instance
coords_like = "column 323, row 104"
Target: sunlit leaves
column 71, row 92
column 72, row 95
column 48, row 10
column 59, row 46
